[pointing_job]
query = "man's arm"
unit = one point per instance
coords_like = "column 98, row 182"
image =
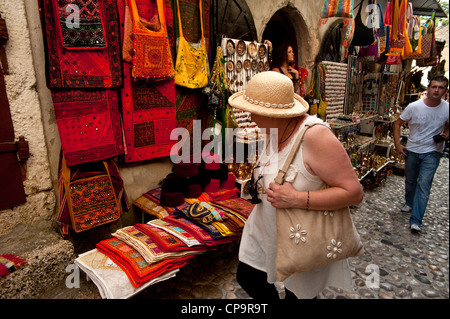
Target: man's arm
column 397, row 129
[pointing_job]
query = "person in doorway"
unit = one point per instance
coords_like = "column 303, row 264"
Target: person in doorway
column 428, row 123
column 284, row 63
column 270, row 98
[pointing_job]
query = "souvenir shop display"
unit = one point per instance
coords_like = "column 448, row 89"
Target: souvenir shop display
column 316, row 94
column 244, row 59
column 371, row 87
column 335, row 87
column 355, row 76
column 146, row 253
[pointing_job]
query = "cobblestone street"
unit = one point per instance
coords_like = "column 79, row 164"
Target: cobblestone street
column 410, row 266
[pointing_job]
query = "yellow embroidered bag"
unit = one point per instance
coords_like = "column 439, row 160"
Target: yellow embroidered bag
column 191, row 67
column 152, row 59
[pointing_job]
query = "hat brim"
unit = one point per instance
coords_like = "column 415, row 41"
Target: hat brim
column 300, row 107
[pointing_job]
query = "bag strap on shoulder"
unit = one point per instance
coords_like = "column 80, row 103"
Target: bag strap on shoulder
column 282, row 172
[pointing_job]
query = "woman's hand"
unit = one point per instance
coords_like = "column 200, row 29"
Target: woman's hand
column 282, row 196
column 294, row 73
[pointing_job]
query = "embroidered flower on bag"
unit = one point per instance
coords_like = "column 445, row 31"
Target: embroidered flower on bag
column 297, row 234
column 334, row 249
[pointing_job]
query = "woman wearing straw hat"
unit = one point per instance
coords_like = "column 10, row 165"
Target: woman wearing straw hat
column 270, row 98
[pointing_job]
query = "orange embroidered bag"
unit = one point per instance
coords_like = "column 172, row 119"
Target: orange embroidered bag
column 152, row 59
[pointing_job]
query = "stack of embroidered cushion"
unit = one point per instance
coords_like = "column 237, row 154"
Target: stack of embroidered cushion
column 152, row 252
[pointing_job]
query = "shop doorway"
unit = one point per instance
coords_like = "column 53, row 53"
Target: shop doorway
column 287, row 25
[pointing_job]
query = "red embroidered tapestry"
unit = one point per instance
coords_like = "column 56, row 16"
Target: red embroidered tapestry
column 148, row 117
column 82, row 41
column 89, row 125
column 149, row 113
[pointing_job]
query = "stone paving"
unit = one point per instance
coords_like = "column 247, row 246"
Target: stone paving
column 409, row 266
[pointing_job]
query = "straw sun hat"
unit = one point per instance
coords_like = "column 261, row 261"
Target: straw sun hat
column 270, row 94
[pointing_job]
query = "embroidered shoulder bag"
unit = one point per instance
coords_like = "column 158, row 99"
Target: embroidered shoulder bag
column 363, row 35
column 427, row 42
column 152, row 58
column 91, row 201
column 191, row 69
column 309, row 239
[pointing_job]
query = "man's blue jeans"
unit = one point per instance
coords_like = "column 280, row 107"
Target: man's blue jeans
column 419, row 174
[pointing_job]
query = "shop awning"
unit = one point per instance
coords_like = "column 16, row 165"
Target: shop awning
column 426, row 7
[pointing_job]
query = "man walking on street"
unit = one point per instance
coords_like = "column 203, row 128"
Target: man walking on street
column 428, row 123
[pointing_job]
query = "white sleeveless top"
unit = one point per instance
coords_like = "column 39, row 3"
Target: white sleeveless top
column 259, row 238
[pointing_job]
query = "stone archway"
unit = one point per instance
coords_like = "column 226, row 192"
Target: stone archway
column 288, row 24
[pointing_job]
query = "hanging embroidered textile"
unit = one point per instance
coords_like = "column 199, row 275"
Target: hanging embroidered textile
column 91, row 201
column 112, row 282
column 149, row 116
column 191, row 68
column 138, row 270
column 89, row 125
column 148, row 107
column 152, row 59
column 398, row 27
column 80, row 25
column 82, row 44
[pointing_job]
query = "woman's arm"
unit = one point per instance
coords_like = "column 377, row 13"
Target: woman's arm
column 325, row 157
